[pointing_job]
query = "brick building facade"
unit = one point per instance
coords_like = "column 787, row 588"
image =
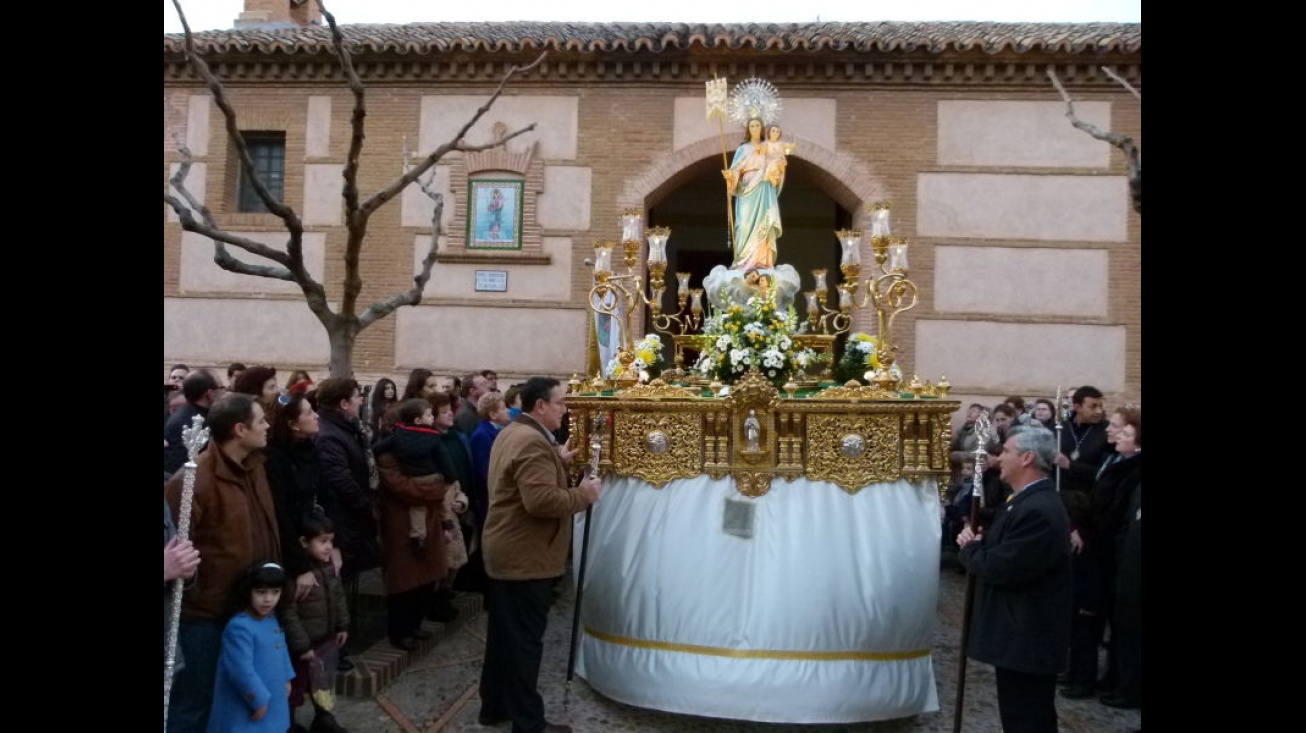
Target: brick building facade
column 1024, row 246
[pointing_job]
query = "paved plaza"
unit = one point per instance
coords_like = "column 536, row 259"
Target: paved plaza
column 437, row 690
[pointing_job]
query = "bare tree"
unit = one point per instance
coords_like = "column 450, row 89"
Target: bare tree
column 342, row 326
column 1125, row 143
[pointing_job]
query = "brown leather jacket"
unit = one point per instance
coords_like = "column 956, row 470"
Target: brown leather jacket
column 233, row 525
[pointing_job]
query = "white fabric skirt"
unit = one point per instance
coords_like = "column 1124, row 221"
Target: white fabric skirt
column 826, row 614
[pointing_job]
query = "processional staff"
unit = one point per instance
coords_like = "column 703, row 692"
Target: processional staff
column 976, row 506
column 596, row 447
column 194, row 438
column 1060, row 417
column 716, row 107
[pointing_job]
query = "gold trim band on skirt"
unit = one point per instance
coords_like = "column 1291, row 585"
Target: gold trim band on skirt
column 717, row 651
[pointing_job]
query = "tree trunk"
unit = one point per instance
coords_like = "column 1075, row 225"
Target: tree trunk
column 341, row 336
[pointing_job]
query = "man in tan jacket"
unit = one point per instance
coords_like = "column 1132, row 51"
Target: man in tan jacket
column 527, row 533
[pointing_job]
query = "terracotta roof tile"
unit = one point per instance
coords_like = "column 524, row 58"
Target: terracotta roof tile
column 932, row 37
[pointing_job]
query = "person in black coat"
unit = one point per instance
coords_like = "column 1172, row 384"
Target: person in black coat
column 1083, row 441
column 346, row 491
column 1021, row 623
column 294, row 477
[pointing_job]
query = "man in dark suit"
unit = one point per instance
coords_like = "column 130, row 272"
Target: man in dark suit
column 1022, row 614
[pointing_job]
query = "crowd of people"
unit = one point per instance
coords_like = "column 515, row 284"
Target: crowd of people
column 304, row 486
column 1055, row 544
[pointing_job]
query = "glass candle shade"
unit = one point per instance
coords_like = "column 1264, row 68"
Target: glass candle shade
column 819, row 276
column 603, row 257
column 630, row 226
column 897, row 256
column 696, row 301
column 657, row 244
column 851, row 240
column 880, row 220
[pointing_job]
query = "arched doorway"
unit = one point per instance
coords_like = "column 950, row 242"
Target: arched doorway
column 693, row 204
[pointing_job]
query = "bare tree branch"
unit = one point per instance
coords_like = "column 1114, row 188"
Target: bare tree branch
column 1124, row 143
column 456, row 143
column 342, row 327
column 1120, row 80
column 413, row 296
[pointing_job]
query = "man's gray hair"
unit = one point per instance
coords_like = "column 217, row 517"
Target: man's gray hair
column 1037, row 440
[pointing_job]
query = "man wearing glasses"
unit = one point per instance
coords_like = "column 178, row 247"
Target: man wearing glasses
column 1023, row 597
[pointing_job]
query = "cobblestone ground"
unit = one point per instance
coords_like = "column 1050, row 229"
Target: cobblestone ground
column 438, row 692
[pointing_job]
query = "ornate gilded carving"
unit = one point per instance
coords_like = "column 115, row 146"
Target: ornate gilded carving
column 866, row 392
column 826, row 460
column 753, row 483
column 633, row 455
column 753, row 390
column 656, row 390
column 818, row 438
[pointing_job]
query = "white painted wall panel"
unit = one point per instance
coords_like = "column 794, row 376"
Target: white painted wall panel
column 1032, row 281
column 1013, row 134
column 556, row 122
column 200, row 274
column 519, row 340
column 254, row 331
column 323, row 203
column 525, row 282
column 565, row 201
column 1020, row 358
column 1032, row 207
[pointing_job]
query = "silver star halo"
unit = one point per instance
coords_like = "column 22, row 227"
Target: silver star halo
column 755, row 98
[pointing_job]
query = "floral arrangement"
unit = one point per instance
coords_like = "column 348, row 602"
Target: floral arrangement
column 755, row 334
column 648, row 358
column 859, row 357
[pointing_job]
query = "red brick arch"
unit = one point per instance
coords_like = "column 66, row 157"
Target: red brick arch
column 851, row 183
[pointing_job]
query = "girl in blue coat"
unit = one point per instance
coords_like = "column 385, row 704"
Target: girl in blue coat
column 252, row 690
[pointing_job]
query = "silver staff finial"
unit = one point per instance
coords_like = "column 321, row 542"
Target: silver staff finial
column 194, row 437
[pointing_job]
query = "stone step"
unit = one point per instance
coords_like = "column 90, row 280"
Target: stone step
column 381, row 663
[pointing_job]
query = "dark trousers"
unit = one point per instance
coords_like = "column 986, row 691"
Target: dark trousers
column 514, row 645
column 192, row 689
column 1085, row 639
column 1129, row 644
column 1026, row 702
column 404, row 611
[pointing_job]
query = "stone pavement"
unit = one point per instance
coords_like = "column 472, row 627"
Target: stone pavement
column 436, row 688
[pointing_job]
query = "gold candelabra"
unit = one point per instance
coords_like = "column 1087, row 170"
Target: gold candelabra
column 618, row 295
column 888, row 290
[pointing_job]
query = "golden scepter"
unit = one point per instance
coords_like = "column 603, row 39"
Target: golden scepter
column 716, row 107
column 194, row 438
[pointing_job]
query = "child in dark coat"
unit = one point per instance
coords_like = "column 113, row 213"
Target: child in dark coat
column 417, row 447
column 317, row 626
